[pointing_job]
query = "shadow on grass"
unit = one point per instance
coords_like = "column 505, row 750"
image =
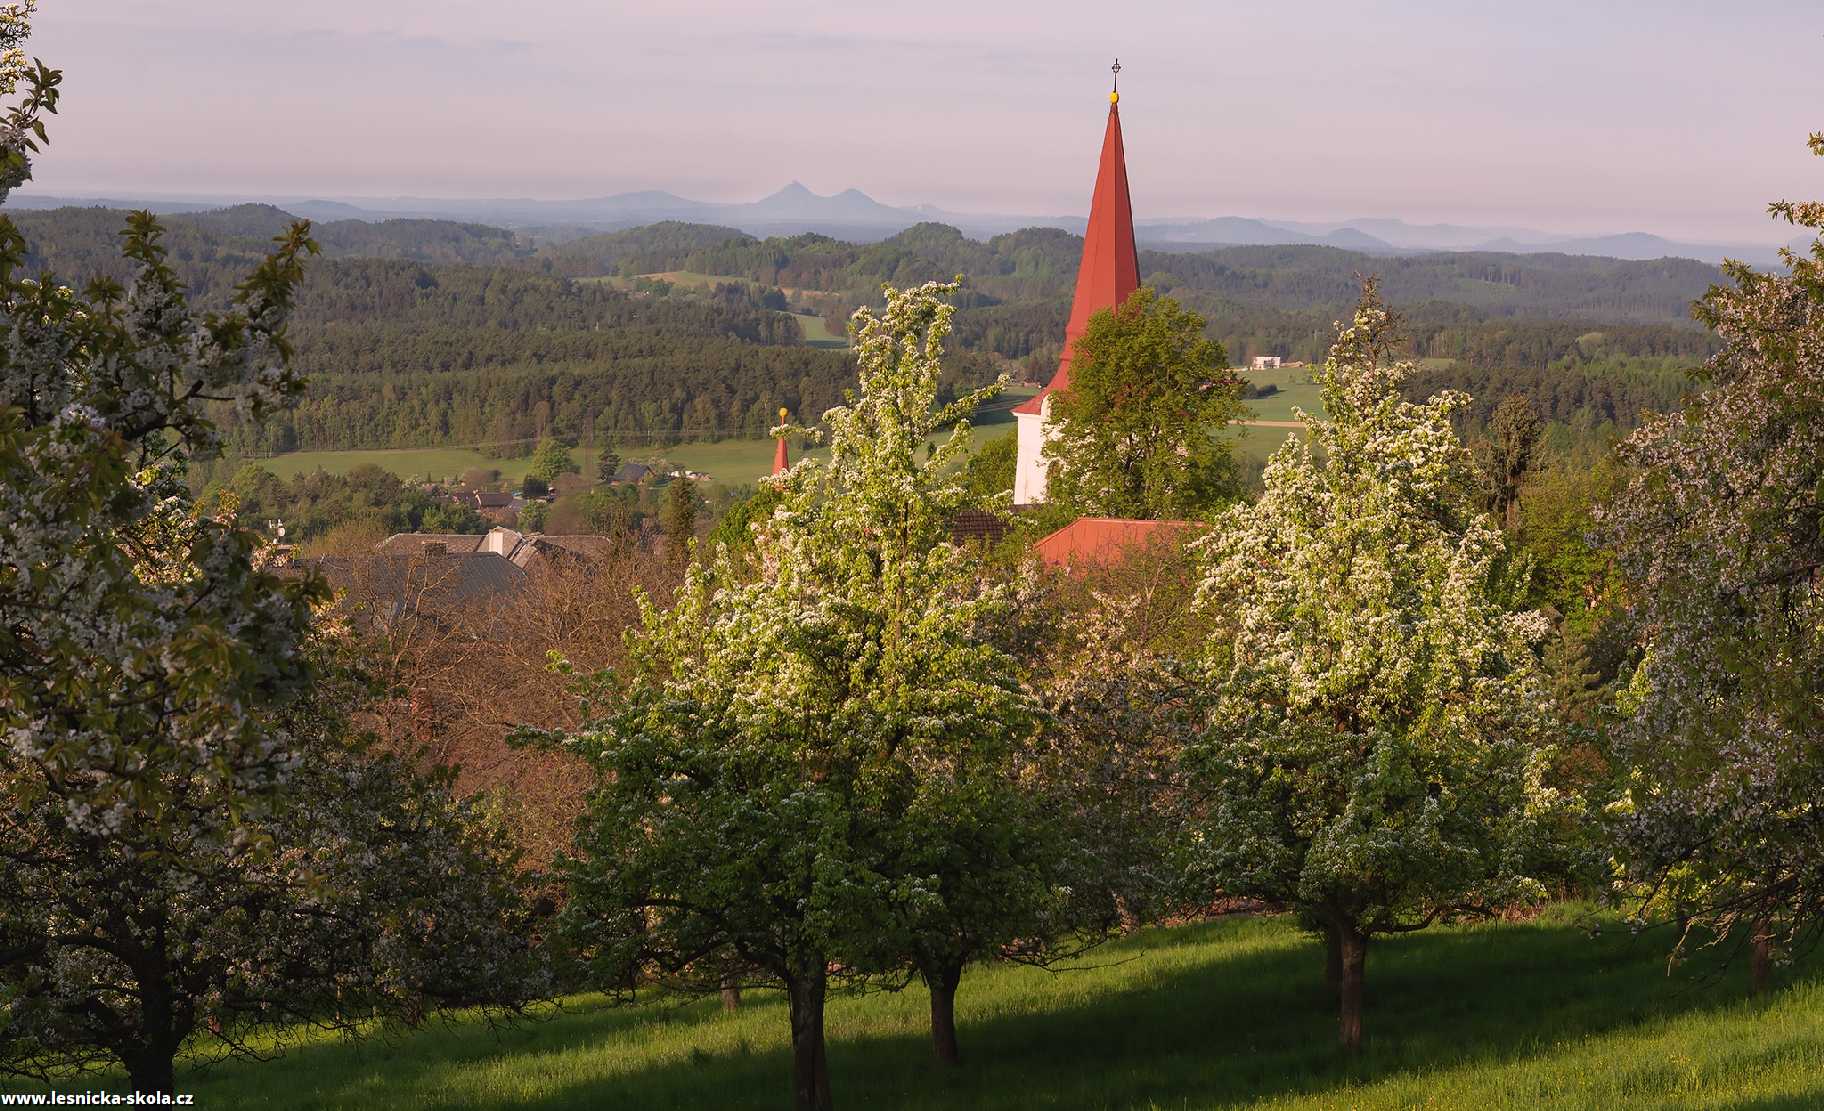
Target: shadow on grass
column 1212, row 1024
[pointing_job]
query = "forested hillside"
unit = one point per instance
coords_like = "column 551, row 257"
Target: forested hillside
column 426, row 332
column 416, row 332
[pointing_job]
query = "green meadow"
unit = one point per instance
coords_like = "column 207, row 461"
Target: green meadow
column 730, row 462
column 1564, row 1011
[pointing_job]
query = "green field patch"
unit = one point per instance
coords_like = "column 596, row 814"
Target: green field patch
column 729, row 461
column 1295, row 389
column 817, row 331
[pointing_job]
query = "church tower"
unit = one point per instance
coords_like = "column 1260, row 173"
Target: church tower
column 1109, row 271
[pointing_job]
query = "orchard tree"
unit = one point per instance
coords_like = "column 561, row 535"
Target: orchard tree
column 1139, row 431
column 363, row 890
column 1376, row 738
column 810, row 739
column 1120, row 714
column 1720, row 533
column 166, row 810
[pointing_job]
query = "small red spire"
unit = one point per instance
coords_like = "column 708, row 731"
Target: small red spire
column 1110, row 269
column 781, row 458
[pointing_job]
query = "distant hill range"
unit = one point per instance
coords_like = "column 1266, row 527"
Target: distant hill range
column 856, row 217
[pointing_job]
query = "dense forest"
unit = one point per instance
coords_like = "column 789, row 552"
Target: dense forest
column 426, row 332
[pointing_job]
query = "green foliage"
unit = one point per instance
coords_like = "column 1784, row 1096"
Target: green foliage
column 315, row 502
column 1136, row 434
column 1571, row 574
column 603, row 511
column 734, row 530
column 678, row 516
column 551, row 459
column 443, row 517
column 989, row 472
column 534, row 516
column 1507, row 454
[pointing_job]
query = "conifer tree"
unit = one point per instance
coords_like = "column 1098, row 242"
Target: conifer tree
column 607, row 463
column 678, row 518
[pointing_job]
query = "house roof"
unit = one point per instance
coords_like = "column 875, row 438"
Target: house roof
column 977, row 524
column 417, row 543
column 566, row 545
column 1110, row 269
column 423, row 580
column 1106, row 541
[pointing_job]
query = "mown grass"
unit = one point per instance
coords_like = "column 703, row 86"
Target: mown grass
column 1224, row 1014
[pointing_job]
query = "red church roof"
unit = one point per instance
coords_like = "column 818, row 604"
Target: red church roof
column 782, row 459
column 1110, row 269
column 1105, row 541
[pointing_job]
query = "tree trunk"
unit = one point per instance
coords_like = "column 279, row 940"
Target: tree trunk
column 1354, row 953
column 1760, row 957
column 1333, row 963
column 731, row 995
column 163, row 1025
column 810, row 1064
column 150, row 1071
column 942, row 979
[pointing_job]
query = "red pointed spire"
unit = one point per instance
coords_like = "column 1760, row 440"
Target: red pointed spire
column 781, row 458
column 1110, row 269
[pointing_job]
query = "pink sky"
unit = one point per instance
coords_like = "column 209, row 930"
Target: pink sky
column 1673, row 117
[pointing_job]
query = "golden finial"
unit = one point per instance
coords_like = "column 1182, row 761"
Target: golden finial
column 1114, row 97
column 783, row 413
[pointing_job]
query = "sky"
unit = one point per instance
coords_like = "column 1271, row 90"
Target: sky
column 1669, row 116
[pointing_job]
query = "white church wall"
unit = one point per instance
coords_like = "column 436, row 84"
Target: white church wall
column 1029, row 470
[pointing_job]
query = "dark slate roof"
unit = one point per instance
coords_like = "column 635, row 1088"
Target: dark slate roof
column 417, row 543
column 423, row 580
column 977, row 525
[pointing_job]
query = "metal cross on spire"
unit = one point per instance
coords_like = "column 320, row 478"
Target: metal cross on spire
column 1116, row 70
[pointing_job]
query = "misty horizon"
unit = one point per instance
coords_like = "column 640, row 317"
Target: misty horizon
column 1558, row 119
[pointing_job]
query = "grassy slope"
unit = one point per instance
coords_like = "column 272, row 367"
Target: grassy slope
column 1221, row 1015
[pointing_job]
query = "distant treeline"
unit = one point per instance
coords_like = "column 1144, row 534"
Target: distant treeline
column 424, row 332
